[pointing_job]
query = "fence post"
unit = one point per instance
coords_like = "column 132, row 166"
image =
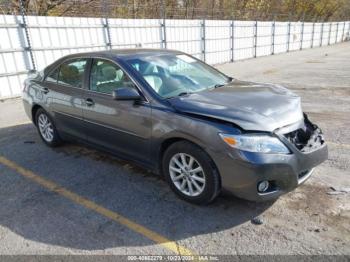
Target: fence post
column 27, row 46
column 302, row 35
column 342, row 37
column 232, row 26
column 163, row 26
column 288, row 35
column 312, row 35
column 108, row 33
column 106, row 25
column 273, row 28
column 203, row 40
column 329, row 33
column 255, row 41
column 163, row 33
column 336, row 36
column 321, row 34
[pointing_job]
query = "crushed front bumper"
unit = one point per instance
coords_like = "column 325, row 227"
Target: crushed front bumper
column 241, row 171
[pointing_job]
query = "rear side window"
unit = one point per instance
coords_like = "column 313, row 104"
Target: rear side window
column 71, row 73
column 53, row 76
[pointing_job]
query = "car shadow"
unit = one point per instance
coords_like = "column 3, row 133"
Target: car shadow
column 37, row 214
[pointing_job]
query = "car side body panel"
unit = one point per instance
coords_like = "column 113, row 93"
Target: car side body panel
column 123, row 126
column 139, row 130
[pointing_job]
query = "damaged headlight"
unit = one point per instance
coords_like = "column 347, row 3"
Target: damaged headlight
column 255, row 143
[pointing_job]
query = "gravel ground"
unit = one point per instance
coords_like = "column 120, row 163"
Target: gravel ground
column 307, row 221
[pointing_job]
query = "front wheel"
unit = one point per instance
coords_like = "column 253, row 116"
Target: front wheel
column 46, row 128
column 191, row 173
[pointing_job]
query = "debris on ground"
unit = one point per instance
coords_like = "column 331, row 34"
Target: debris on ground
column 29, row 142
column 257, row 221
column 339, row 191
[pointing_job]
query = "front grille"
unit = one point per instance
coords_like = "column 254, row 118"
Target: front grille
column 307, row 138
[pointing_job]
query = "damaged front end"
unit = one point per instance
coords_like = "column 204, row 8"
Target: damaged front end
column 307, row 138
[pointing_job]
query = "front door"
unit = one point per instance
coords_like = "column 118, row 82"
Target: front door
column 120, row 126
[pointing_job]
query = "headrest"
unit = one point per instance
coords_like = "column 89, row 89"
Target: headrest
column 70, row 73
column 109, row 73
column 143, row 67
column 119, row 75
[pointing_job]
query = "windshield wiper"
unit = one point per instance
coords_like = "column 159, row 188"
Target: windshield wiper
column 184, row 93
column 218, row 85
column 221, row 85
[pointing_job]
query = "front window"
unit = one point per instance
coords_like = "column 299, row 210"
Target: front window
column 175, row 74
column 106, row 77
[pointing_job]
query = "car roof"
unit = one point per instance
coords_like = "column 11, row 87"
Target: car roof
column 123, row 53
column 128, row 53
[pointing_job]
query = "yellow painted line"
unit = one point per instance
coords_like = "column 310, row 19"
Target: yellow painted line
column 338, row 145
column 164, row 242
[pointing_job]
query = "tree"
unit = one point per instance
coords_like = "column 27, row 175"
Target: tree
column 296, row 10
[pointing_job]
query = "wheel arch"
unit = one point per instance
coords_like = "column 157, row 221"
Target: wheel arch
column 172, row 140
column 35, row 109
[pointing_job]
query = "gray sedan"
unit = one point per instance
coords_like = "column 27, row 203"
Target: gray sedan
column 170, row 112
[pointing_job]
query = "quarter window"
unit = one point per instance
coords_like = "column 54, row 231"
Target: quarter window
column 107, row 77
column 71, row 73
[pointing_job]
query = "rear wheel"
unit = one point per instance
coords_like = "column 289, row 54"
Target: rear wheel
column 191, row 173
column 46, row 128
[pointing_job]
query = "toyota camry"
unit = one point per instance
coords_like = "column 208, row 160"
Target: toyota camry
column 181, row 118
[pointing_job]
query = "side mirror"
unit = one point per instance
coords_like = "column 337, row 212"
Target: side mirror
column 126, row 93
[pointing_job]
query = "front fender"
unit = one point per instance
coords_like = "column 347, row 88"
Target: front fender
column 169, row 125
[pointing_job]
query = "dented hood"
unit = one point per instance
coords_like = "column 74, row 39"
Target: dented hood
column 252, row 106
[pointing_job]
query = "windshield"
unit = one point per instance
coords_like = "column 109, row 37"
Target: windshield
column 177, row 74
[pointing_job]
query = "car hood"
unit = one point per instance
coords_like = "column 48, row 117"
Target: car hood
column 252, row 106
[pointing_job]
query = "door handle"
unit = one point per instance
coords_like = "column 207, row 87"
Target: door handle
column 45, row 90
column 89, row 102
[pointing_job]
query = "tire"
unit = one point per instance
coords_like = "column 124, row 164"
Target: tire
column 179, row 179
column 47, row 130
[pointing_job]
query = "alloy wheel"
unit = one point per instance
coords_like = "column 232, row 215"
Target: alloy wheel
column 45, row 128
column 187, row 174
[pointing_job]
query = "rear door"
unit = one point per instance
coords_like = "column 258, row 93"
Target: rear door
column 120, row 126
column 64, row 87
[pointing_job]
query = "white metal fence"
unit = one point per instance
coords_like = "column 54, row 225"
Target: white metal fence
column 33, row 42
